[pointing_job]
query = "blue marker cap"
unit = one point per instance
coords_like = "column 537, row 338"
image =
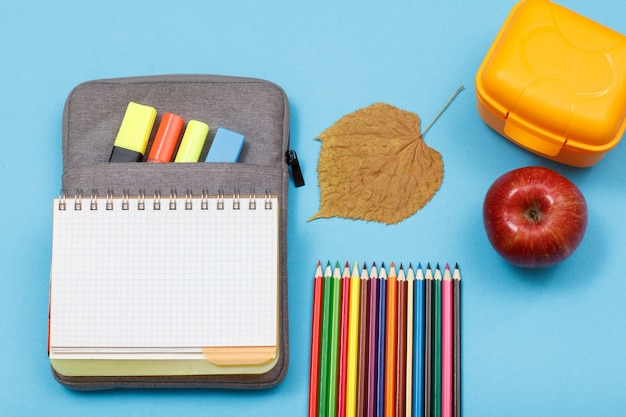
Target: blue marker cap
column 226, row 146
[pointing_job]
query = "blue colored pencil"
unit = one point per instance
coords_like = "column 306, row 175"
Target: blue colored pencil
column 418, row 343
column 381, row 339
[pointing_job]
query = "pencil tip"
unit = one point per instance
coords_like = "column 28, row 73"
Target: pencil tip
column 447, row 266
column 419, row 265
column 401, row 266
column 374, row 264
column 364, row 265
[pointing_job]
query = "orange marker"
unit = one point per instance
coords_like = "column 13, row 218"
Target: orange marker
column 166, row 138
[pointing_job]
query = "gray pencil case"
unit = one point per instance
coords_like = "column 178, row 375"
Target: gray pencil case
column 256, row 108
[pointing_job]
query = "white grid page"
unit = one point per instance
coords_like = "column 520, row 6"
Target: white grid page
column 164, row 278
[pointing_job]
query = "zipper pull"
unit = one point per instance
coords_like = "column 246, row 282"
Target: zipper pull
column 292, row 160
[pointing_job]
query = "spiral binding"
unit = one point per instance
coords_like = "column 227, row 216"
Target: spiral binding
column 95, row 200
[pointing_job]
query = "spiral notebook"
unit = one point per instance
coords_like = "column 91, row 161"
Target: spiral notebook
column 157, row 285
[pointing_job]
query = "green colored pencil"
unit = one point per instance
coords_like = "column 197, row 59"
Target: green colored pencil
column 333, row 365
column 325, row 343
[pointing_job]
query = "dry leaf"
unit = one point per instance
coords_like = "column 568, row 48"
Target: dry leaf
column 375, row 166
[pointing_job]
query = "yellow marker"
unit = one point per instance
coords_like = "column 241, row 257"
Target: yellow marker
column 132, row 137
column 192, row 142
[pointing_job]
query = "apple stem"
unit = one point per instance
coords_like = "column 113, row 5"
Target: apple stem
column 533, row 214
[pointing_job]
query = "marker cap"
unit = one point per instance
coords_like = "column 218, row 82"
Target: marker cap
column 192, row 142
column 166, row 138
column 132, row 137
column 226, row 146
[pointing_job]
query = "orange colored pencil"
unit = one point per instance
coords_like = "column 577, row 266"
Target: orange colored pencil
column 391, row 340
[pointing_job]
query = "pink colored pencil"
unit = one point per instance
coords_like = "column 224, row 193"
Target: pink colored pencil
column 318, row 288
column 446, row 342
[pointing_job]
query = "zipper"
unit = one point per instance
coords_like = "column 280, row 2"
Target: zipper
column 292, row 160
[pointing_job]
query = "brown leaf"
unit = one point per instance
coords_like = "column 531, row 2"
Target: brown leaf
column 375, row 166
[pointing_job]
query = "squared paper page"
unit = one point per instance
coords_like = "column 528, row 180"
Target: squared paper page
column 164, row 278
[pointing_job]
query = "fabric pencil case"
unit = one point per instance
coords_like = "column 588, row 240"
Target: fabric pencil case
column 180, row 339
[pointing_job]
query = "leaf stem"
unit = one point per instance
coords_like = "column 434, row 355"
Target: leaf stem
column 445, row 106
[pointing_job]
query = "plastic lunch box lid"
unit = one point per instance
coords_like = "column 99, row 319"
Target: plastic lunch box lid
column 558, row 75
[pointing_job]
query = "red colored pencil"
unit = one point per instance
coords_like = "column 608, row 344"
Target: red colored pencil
column 343, row 342
column 391, row 340
column 318, row 286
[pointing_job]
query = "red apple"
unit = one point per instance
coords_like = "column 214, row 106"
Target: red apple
column 534, row 217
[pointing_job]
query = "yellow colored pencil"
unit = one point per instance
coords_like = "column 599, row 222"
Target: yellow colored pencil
column 353, row 341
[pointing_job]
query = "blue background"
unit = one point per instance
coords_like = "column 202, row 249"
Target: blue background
column 541, row 342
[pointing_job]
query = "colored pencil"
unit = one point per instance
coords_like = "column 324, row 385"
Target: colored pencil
column 390, row 348
column 334, row 341
column 456, row 374
column 372, row 331
column 316, row 323
column 343, row 342
column 353, row 341
column 446, row 343
column 418, row 342
column 436, row 384
column 381, row 341
column 410, row 348
column 401, row 311
column 428, row 342
column 326, row 342
column 361, row 391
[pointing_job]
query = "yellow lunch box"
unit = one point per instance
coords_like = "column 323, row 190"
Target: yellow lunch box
column 554, row 82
